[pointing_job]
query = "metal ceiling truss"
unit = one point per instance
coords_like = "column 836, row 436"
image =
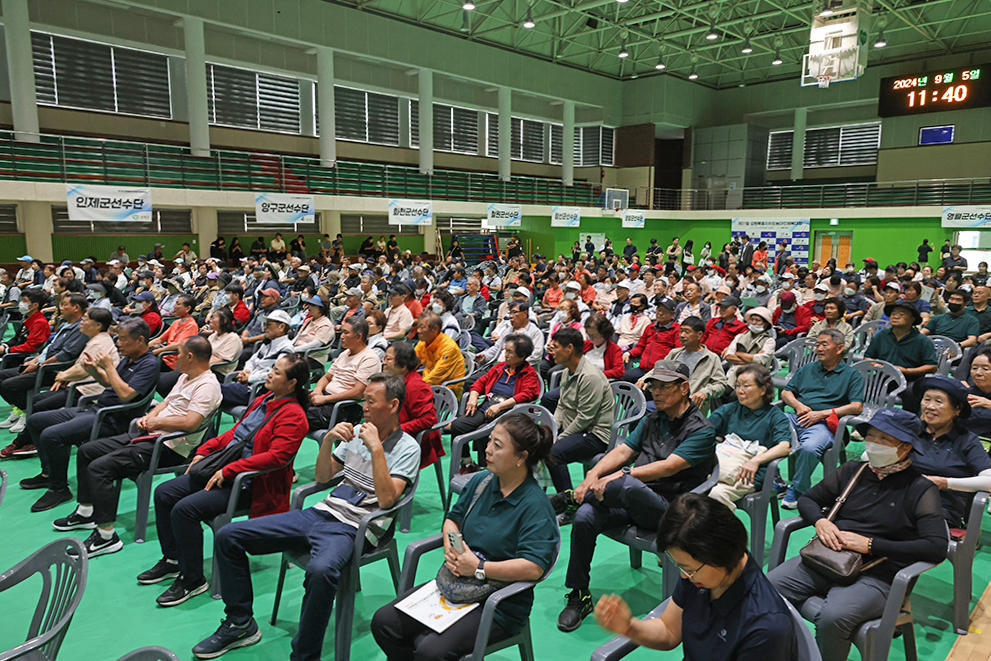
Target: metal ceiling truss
column 590, row 34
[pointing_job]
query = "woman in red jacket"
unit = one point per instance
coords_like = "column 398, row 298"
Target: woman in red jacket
column 504, row 386
column 272, row 428
column 144, row 304
column 600, row 350
column 418, row 412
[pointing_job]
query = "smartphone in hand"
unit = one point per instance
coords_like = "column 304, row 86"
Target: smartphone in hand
column 456, row 541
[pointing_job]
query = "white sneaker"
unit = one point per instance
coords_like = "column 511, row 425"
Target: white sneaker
column 11, row 421
column 19, row 426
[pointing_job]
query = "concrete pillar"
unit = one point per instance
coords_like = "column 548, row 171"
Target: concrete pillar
column 325, row 105
column 199, row 114
column 205, row 226
column 20, row 72
column 505, row 133
column 307, row 120
column 426, row 120
column 568, row 144
column 429, row 233
column 798, row 143
column 330, row 222
column 36, row 222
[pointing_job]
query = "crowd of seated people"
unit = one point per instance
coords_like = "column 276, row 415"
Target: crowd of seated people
column 351, row 353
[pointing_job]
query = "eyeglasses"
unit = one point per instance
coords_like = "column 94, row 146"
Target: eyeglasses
column 662, row 386
column 688, row 574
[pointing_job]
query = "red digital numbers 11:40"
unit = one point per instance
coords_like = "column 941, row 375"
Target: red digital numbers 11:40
column 955, row 94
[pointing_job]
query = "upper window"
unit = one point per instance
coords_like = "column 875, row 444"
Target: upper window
column 455, row 128
column 363, row 116
column 251, row 99
column 834, row 146
column 84, row 74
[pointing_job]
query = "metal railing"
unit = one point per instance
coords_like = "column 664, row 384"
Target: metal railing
column 923, row 192
column 69, row 159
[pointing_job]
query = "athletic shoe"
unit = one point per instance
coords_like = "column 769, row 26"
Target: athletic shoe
column 228, row 637
column 19, row 426
column 8, row 452
column 579, row 607
column 9, row 422
column 162, row 570
column 39, row 481
column 96, row 545
column 181, row 592
column 51, row 500
column 790, row 501
column 26, row 451
column 74, row 522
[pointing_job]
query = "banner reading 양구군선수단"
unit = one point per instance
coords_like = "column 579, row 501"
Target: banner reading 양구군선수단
column 566, row 217
column 793, row 231
column 88, row 203
column 504, row 215
column 284, row 209
column 411, row 212
column 972, row 217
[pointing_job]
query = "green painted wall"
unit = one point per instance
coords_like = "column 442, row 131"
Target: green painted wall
column 12, row 246
column 80, row 246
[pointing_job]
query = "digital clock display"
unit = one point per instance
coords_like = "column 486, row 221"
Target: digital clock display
column 935, row 91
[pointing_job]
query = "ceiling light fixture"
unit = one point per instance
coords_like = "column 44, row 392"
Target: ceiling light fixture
column 747, row 48
column 464, row 21
column 712, row 35
column 694, row 74
column 621, row 1
column 623, row 52
column 468, row 5
column 528, row 23
column 880, row 43
column 660, row 63
column 777, row 58
column 827, row 8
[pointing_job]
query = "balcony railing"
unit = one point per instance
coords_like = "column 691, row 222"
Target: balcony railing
column 86, row 160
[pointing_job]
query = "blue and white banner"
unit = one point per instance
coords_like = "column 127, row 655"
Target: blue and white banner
column 88, row 203
column 411, row 212
column 634, row 218
column 566, row 217
column 504, row 215
column 795, row 232
column 972, row 217
column 284, row 209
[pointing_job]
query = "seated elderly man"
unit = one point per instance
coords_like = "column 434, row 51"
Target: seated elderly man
column 655, row 343
column 790, row 319
column 817, row 392
column 672, row 450
column 55, row 432
column 958, row 324
column 103, row 463
column 720, row 331
column 438, row 353
column 345, row 378
column 519, row 322
column 276, row 343
column 902, row 345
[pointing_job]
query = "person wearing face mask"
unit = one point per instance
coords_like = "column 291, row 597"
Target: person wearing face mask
column 761, row 290
column 622, row 304
column 34, row 332
column 755, row 345
column 632, row 325
column 99, row 296
column 655, row 343
column 817, row 306
column 957, row 324
column 856, row 305
column 441, row 303
column 790, row 319
column 834, row 309
column 892, row 514
column 144, row 306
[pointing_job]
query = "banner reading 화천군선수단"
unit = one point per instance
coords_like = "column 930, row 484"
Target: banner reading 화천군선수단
column 566, row 217
column 411, row 212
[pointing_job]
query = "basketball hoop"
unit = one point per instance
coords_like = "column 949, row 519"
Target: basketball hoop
column 824, row 80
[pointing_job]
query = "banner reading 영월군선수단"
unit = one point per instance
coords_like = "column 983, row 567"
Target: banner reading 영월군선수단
column 411, row 212
column 634, row 218
column 504, row 215
column 966, row 217
column 88, row 202
column 795, row 232
column 284, row 208
column 566, row 217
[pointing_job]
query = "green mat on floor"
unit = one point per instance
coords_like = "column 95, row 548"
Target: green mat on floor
column 117, row 614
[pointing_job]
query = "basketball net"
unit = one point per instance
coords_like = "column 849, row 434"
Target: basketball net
column 824, row 80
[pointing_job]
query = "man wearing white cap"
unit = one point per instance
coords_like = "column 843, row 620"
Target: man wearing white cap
column 28, row 275
column 519, row 322
column 787, row 283
column 621, row 305
column 817, row 306
column 276, row 343
column 572, row 291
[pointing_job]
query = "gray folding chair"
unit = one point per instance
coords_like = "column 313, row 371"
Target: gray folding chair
column 236, row 411
column 961, row 555
column 948, row 352
column 467, row 323
column 3, row 484
column 318, row 434
column 446, row 406
column 798, row 353
column 629, row 407
column 150, row 654
column 469, row 359
column 138, row 407
column 464, row 340
column 862, row 335
column 63, row 566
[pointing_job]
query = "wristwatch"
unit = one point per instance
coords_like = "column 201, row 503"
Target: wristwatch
column 627, row 470
column 480, row 570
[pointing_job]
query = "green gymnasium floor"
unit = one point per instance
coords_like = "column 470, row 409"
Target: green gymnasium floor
column 118, row 615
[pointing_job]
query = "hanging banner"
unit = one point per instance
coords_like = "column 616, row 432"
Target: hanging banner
column 411, row 212
column 504, row 215
column 972, row 217
column 283, row 209
column 795, row 232
column 566, row 217
column 634, row 218
column 89, row 203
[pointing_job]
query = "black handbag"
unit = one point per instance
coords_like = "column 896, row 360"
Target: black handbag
column 201, row 472
column 840, row 567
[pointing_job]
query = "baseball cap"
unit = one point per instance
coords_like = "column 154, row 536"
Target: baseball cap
column 212, row 275
column 280, row 316
column 159, row 245
column 354, row 291
column 893, row 284
column 315, row 300
column 145, row 296
column 25, row 258
column 822, row 286
column 146, row 274
column 788, row 299
column 787, row 276
column 730, row 300
column 97, row 286
column 667, row 302
column 86, row 261
column 114, row 262
column 870, row 260
column 66, row 262
column 572, row 284
column 898, row 423
column 522, row 290
column 625, row 284
column 154, row 262
column 353, row 266
column 271, row 292
column 668, row 371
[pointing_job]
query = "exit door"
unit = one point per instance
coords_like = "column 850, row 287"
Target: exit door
column 833, row 245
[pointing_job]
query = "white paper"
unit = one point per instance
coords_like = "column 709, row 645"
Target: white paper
column 427, row 605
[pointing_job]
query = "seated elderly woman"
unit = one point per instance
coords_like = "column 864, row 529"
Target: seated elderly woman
column 979, row 394
column 951, row 455
column 892, row 515
column 500, row 543
column 721, row 590
column 505, row 385
column 754, row 345
column 762, row 428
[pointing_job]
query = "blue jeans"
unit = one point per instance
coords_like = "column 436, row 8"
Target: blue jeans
column 812, row 444
column 330, row 544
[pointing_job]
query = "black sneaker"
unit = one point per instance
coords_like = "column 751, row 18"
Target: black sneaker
column 563, row 501
column 74, row 522
column 579, row 607
column 181, row 592
column 96, row 545
column 228, row 637
column 51, row 500
column 39, row 481
column 163, row 570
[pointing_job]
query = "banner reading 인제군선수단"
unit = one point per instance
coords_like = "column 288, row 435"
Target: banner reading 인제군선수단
column 970, row 217
column 634, row 218
column 504, row 215
column 566, row 217
column 284, row 209
column 795, row 232
column 88, row 203
column 411, row 212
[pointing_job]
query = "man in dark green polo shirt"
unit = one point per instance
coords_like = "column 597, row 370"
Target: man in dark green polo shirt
column 979, row 308
column 957, row 324
column 816, row 391
column 900, row 344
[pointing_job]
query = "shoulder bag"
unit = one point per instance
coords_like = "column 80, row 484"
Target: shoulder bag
column 841, row 567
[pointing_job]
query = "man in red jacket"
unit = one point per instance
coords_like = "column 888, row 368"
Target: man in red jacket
column 790, row 320
column 35, row 331
column 656, row 342
column 720, row 332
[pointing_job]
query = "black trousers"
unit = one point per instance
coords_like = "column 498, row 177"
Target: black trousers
column 466, row 424
column 14, row 386
column 46, row 401
column 100, row 465
column 318, row 417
